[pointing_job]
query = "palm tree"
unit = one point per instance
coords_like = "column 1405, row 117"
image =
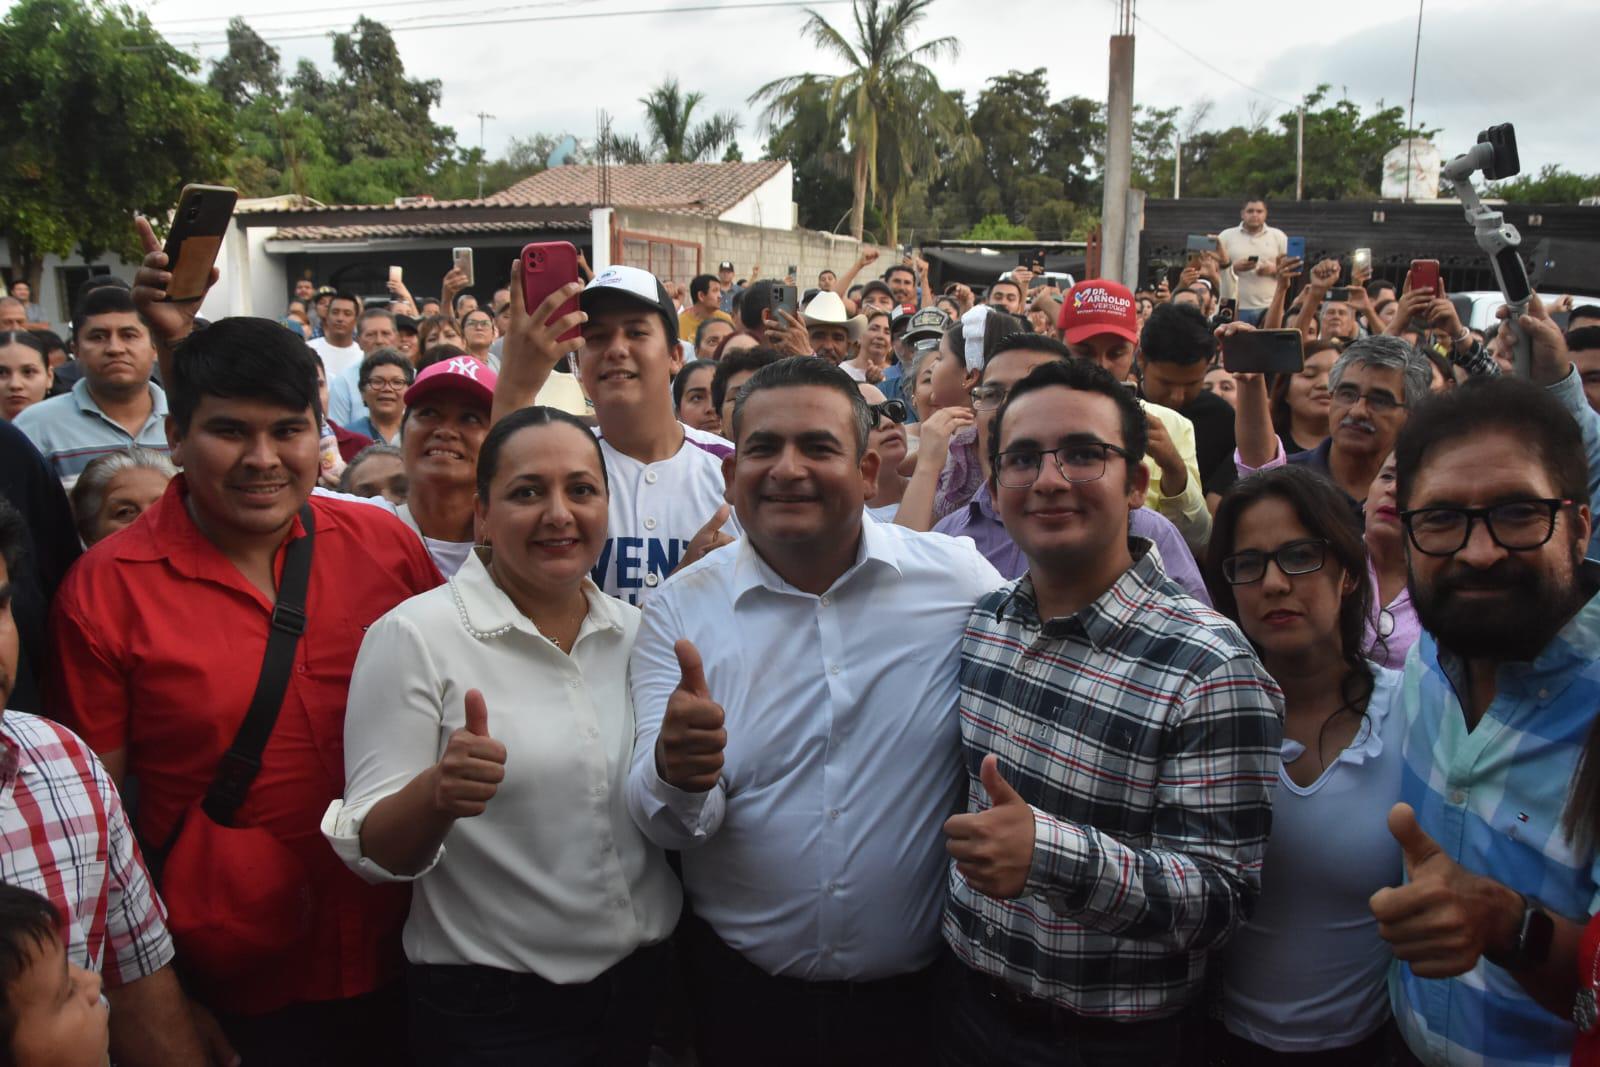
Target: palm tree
column 674, row 136
column 885, row 83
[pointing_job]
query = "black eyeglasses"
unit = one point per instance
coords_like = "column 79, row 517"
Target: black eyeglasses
column 1295, row 557
column 893, row 410
column 1516, row 526
column 1085, row 461
column 1380, row 403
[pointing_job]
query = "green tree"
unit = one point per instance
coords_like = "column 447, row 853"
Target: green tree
column 997, row 228
column 1552, row 185
column 674, row 135
column 811, row 138
column 250, row 70
column 884, row 74
column 102, row 117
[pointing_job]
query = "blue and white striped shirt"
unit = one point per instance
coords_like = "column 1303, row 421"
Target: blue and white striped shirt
column 1493, row 798
column 71, row 430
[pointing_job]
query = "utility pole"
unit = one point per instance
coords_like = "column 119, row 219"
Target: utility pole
column 1119, row 148
column 1300, row 152
column 482, row 117
column 1177, row 166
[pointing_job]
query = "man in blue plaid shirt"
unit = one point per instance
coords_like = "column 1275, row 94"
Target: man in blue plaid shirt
column 1122, row 743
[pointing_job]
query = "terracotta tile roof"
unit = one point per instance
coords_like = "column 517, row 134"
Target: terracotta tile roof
column 417, row 229
column 705, row 189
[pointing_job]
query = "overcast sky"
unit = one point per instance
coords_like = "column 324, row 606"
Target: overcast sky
column 552, row 76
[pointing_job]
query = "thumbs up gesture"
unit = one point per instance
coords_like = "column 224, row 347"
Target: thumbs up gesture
column 993, row 849
column 472, row 767
column 1445, row 916
column 689, row 747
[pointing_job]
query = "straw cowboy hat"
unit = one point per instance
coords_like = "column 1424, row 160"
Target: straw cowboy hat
column 827, row 309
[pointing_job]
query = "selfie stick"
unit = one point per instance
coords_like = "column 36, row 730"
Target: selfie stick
column 1496, row 155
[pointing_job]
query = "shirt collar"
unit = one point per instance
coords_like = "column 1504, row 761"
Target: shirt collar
column 166, row 531
column 1574, row 647
column 86, row 402
column 1109, row 614
column 486, row 612
column 751, row 572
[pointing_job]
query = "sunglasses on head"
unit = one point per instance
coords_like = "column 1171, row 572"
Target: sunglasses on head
column 893, row 410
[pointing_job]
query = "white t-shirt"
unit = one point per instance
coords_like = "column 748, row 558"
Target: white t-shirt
column 1254, row 288
column 1308, row 970
column 855, row 372
column 656, row 509
column 448, row 556
column 336, row 360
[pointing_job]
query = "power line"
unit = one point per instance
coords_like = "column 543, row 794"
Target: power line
column 323, row 10
column 1206, row 63
column 587, row 15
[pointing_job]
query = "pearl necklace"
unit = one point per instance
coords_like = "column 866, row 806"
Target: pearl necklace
column 484, row 635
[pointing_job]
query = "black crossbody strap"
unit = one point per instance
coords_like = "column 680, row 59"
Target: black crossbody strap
column 242, row 761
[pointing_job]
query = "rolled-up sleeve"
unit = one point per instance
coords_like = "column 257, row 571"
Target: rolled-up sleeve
column 1194, row 883
column 392, row 732
column 670, row 817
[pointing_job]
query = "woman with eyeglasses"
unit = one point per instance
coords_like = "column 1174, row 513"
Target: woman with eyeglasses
column 888, row 440
column 383, row 378
column 1306, row 975
column 477, row 333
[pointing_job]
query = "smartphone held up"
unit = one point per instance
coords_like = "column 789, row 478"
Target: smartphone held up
column 1263, row 352
column 193, row 243
column 546, row 267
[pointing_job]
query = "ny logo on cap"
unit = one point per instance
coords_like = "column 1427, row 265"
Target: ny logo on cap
column 464, row 365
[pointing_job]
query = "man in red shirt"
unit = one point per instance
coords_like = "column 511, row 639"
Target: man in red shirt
column 160, row 632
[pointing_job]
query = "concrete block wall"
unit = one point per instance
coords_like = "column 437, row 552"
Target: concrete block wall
column 774, row 250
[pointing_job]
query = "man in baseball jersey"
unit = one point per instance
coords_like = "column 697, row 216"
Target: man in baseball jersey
column 668, row 497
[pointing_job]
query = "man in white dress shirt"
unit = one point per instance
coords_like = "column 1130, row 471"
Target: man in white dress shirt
column 797, row 739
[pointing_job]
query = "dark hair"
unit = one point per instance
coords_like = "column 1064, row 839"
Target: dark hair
column 1323, row 510
column 1584, row 338
column 1581, row 311
column 384, row 357
column 487, row 313
column 1178, row 334
column 1375, row 286
column 896, row 269
column 347, row 480
column 521, row 419
column 431, row 324
column 1282, row 417
column 1027, row 342
column 347, row 295
column 438, row 354
column 876, row 285
column 1085, row 377
column 28, row 924
column 700, row 331
column 1006, row 281
column 455, row 302
column 796, row 371
column 853, row 290
column 757, row 298
column 26, row 339
column 13, row 539
column 1441, row 365
column 680, row 381
column 699, row 285
column 998, row 326
column 825, row 270
column 1253, row 199
column 104, row 300
column 751, row 359
column 51, row 340
column 1526, row 412
column 242, row 358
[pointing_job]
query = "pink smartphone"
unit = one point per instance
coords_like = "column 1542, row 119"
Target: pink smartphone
column 546, row 267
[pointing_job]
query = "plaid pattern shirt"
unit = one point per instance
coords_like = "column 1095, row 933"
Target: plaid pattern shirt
column 64, row 835
column 1145, row 734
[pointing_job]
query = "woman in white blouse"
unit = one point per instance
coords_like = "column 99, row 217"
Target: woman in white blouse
column 487, row 740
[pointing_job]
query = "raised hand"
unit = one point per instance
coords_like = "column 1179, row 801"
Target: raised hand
column 170, row 322
column 469, row 773
column 993, row 849
column 1325, row 275
column 709, row 538
column 689, row 747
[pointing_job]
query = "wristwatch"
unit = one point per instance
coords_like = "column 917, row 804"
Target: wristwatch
column 1532, row 946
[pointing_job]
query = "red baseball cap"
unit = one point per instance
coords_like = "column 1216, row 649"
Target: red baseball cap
column 1097, row 306
column 462, row 374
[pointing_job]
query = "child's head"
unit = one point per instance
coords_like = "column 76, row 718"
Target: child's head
column 51, row 1012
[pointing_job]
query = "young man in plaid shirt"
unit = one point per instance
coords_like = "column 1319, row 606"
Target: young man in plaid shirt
column 63, row 834
column 1122, row 741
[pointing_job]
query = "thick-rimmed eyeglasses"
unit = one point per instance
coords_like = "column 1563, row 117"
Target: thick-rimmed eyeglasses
column 1381, row 403
column 387, row 385
column 1018, row 468
column 1516, row 526
column 1293, row 557
column 893, row 410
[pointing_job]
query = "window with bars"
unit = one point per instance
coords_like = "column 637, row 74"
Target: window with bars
column 667, row 259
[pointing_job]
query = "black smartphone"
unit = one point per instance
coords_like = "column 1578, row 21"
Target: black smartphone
column 1227, row 310
column 1340, row 293
column 1263, row 352
column 784, row 298
column 198, row 227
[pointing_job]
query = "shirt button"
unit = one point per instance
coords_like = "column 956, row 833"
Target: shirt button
column 834, row 814
column 1544, row 694
column 650, row 476
column 826, row 600
column 599, row 790
column 833, row 669
column 652, row 580
column 620, row 902
column 594, row 731
column 833, row 887
column 649, row 524
column 1458, row 796
column 573, row 683
column 988, row 931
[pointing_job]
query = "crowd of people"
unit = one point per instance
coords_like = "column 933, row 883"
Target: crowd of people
column 974, row 678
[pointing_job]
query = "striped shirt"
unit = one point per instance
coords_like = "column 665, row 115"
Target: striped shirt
column 1145, row 734
column 70, row 430
column 1492, row 798
column 63, row 834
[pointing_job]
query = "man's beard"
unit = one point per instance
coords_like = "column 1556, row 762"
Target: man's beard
column 1532, row 606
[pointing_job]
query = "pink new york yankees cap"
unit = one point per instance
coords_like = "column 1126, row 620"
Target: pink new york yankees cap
column 467, row 376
